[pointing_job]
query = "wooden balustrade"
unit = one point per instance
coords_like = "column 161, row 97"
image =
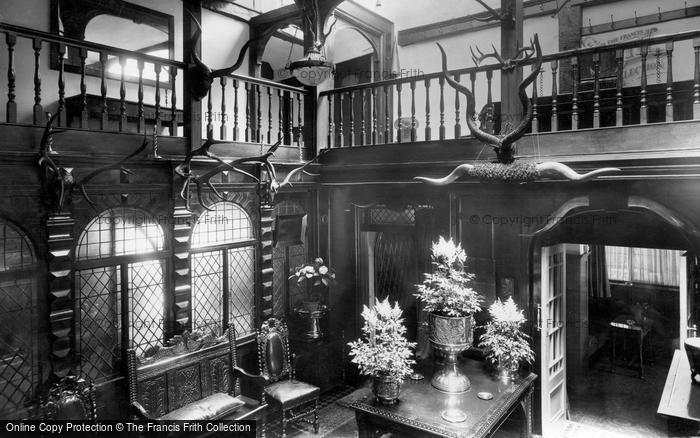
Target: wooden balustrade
column 577, row 89
column 133, row 92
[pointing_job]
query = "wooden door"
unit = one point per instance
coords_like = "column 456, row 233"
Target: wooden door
column 553, row 339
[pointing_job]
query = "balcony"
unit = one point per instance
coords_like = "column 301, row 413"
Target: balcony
column 113, row 95
column 638, row 100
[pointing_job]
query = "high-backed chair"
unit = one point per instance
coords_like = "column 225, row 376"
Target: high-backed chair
column 71, row 398
column 297, row 400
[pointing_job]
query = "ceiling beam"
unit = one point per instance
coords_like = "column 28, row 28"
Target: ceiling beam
column 468, row 23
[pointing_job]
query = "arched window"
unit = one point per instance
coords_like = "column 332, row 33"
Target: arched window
column 223, row 270
column 18, row 353
column 119, row 285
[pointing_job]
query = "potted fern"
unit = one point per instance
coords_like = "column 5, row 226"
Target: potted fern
column 504, row 341
column 383, row 351
column 451, row 302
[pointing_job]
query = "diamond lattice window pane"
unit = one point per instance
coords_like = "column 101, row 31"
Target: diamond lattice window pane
column 146, row 302
column 98, row 321
column 120, row 231
column 207, row 291
column 226, row 223
column 15, row 249
column 17, row 375
column 242, row 289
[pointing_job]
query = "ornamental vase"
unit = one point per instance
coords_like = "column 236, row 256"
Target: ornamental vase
column 450, row 335
column 386, row 389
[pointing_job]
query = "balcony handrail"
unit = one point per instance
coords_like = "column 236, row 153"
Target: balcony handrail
column 269, row 83
column 660, row 39
column 95, row 47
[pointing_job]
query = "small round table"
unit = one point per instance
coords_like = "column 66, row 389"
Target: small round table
column 314, row 316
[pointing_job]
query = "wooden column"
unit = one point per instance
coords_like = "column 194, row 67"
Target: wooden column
column 511, row 38
column 182, row 276
column 265, row 261
column 59, row 231
column 192, row 108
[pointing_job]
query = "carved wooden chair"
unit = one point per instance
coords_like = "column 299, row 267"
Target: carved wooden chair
column 297, row 400
column 71, row 398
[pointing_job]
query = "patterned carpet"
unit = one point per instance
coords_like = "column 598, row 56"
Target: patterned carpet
column 334, row 419
column 619, row 402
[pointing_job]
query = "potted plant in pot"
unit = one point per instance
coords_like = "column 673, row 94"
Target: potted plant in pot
column 504, row 341
column 451, row 302
column 383, row 351
column 313, row 279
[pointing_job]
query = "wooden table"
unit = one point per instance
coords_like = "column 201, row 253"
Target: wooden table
column 638, row 331
column 417, row 413
column 680, row 401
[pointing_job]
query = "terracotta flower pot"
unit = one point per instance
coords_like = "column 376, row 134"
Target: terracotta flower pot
column 386, row 389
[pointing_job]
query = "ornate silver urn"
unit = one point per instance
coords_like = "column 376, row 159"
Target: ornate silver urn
column 450, row 335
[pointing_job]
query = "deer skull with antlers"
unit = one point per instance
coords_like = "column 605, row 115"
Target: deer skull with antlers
column 59, row 181
column 268, row 188
column 504, row 144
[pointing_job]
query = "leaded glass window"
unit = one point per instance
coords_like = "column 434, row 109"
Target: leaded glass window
column 120, row 268
column 18, row 313
column 223, row 270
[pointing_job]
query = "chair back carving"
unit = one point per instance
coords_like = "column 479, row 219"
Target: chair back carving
column 71, row 398
column 273, row 350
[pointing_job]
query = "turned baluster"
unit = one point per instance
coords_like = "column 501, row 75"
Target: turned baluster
column 413, row 111
column 489, row 105
column 11, row 106
column 619, row 57
column 374, row 115
column 290, row 119
column 428, row 132
column 643, row 109
column 280, row 115
column 596, row 90
column 61, row 119
column 441, row 81
column 269, row 114
column 458, row 126
column 122, row 94
column 555, row 115
column 331, row 125
column 173, row 101
column 104, row 117
column 157, row 68
column 141, row 118
column 258, row 106
column 248, row 126
column 300, row 125
column 82, row 53
column 223, row 128
column 696, row 79
column 352, row 118
column 362, row 118
column 534, row 125
column 235, row 110
column 38, row 110
column 387, row 116
column 574, row 93
column 210, row 116
column 398, row 112
column 341, row 140
column 669, row 81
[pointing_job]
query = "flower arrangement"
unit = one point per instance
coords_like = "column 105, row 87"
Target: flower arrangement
column 312, row 276
column 503, row 340
column 447, row 291
column 383, row 350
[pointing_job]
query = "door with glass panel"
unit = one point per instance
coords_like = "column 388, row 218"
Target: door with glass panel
column 553, row 339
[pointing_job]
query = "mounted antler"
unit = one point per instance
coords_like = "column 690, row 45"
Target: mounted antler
column 506, row 169
column 502, row 144
column 271, row 186
column 506, row 64
column 59, row 179
column 202, row 75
